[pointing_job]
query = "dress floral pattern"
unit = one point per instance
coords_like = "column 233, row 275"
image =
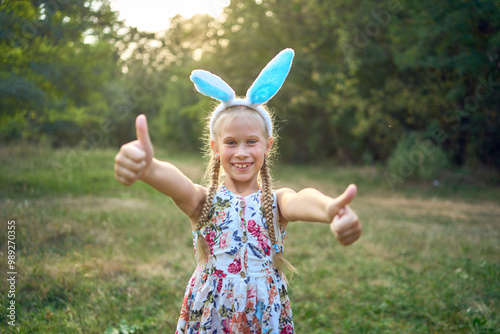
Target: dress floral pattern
column 238, row 290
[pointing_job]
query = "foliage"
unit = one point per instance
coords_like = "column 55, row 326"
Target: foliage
column 417, row 158
column 58, row 68
column 366, row 74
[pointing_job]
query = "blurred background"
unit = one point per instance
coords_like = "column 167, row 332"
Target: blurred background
column 372, row 81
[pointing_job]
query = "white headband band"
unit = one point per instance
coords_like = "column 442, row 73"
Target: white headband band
column 267, row 84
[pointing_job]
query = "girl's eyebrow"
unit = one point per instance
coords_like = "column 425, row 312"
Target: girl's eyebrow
column 227, row 137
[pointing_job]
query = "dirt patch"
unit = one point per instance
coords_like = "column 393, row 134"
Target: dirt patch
column 455, row 210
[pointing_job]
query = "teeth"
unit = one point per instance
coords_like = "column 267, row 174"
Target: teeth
column 241, row 166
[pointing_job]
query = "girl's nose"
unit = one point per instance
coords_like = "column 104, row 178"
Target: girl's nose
column 241, row 151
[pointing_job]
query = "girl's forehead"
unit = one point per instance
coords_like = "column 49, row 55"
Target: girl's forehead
column 241, row 125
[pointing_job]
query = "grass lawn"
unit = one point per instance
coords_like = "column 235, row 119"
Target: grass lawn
column 93, row 256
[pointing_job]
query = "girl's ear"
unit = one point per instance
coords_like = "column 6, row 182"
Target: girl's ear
column 270, row 142
column 214, row 149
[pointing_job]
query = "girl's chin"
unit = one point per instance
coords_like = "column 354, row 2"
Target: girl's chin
column 239, row 177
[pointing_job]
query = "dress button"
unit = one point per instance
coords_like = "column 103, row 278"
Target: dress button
column 244, row 238
column 242, row 274
column 242, row 204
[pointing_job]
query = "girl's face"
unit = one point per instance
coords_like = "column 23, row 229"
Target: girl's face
column 241, row 145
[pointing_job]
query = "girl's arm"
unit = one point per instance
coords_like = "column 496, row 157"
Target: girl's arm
column 135, row 162
column 313, row 206
column 169, row 180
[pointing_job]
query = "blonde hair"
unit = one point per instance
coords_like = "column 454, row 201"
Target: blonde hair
column 212, row 174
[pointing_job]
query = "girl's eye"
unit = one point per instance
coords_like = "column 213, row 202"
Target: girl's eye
column 252, row 142
column 230, row 142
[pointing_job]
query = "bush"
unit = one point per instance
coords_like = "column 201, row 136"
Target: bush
column 419, row 158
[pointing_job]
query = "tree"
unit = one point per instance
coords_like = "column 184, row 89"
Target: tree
column 58, row 67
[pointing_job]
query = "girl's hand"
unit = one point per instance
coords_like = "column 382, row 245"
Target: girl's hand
column 345, row 225
column 134, row 159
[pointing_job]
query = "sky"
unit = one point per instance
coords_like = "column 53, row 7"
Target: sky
column 154, row 15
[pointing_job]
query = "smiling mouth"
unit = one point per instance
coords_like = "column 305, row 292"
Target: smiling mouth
column 242, row 166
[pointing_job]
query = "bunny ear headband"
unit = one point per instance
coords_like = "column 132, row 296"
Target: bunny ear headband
column 266, row 85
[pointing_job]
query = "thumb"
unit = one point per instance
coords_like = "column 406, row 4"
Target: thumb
column 343, row 200
column 141, row 130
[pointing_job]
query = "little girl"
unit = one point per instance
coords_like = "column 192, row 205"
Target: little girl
column 238, row 222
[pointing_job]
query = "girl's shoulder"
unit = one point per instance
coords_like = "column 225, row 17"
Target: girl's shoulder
column 282, row 195
column 284, row 192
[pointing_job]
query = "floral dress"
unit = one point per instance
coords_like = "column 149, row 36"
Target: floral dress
column 238, row 290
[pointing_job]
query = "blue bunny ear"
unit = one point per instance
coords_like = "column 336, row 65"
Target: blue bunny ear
column 271, row 78
column 211, row 85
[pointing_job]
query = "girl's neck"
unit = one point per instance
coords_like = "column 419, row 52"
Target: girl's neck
column 241, row 188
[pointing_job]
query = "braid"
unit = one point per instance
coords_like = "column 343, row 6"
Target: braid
column 202, row 247
column 267, row 200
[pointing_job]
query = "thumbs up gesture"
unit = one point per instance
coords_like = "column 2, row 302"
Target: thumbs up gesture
column 134, row 159
column 345, row 225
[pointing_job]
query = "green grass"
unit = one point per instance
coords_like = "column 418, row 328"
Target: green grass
column 94, row 256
